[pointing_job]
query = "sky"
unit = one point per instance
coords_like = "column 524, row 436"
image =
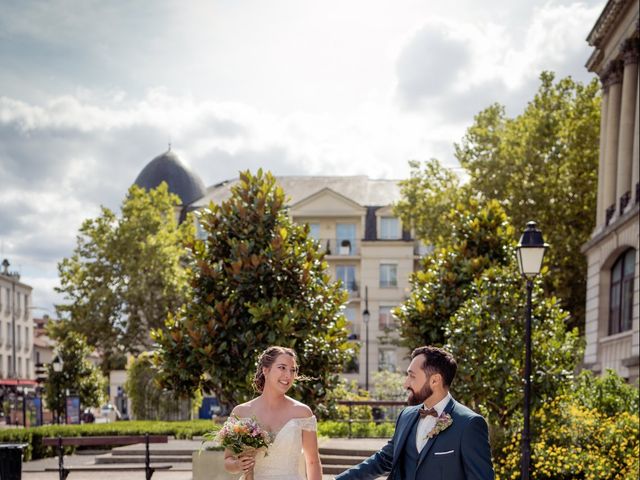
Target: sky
column 91, row 91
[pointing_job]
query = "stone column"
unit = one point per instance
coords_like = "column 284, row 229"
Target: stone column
column 627, row 114
column 601, row 162
column 613, row 83
column 635, row 157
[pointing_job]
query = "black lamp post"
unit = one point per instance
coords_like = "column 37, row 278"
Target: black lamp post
column 57, row 365
column 365, row 320
column 530, row 251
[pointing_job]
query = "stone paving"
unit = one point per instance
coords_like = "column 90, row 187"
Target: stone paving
column 35, row 470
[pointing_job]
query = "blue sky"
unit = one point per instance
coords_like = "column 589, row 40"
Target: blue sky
column 91, row 91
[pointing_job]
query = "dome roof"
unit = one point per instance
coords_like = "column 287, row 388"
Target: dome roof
column 168, row 168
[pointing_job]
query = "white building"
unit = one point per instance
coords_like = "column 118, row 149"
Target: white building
column 16, row 329
column 612, row 330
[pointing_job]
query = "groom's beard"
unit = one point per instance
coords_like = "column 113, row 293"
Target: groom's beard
column 419, row 397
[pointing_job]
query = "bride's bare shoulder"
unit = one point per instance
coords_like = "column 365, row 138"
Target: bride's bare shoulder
column 298, row 409
column 244, row 410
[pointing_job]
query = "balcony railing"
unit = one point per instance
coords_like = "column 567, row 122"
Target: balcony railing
column 339, row 246
column 352, row 289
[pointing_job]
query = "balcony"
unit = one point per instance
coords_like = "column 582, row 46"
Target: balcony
column 352, row 289
column 339, row 247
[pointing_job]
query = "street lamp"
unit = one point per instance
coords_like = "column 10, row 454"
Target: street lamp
column 365, row 320
column 530, row 253
column 57, row 365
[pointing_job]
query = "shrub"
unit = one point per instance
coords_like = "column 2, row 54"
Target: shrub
column 573, row 441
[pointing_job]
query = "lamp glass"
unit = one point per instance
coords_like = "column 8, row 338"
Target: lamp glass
column 365, row 316
column 530, row 260
column 57, row 365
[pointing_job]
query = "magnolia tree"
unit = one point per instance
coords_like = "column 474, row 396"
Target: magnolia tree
column 257, row 279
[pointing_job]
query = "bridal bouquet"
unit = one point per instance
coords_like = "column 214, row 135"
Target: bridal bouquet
column 242, row 436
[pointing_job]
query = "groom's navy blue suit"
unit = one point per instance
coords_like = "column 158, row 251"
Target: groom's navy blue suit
column 460, row 452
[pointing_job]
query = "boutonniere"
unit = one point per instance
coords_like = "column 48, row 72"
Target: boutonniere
column 443, row 422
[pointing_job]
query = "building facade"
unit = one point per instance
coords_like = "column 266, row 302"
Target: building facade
column 365, row 247
column 16, row 327
column 612, row 330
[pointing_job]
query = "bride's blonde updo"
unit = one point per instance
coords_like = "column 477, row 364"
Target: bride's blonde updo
column 266, row 360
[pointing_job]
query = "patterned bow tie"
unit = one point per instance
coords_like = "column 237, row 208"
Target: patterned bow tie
column 425, row 412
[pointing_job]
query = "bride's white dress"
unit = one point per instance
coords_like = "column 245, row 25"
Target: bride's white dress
column 284, row 459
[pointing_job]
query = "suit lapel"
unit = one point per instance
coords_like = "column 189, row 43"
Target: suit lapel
column 404, row 433
column 425, row 451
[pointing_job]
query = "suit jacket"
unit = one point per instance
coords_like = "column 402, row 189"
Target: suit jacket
column 460, row 452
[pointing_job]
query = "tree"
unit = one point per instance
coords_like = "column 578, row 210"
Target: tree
column 148, row 400
column 427, row 196
column 480, row 237
column 78, row 375
column 469, row 298
column 125, row 274
column 257, row 280
column 487, row 334
column 542, row 165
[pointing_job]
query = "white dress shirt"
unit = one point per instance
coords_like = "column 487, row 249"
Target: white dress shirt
column 426, row 424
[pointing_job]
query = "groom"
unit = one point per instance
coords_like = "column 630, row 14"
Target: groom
column 435, row 437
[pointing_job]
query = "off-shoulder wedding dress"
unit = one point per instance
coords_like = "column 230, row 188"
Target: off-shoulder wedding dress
column 284, row 459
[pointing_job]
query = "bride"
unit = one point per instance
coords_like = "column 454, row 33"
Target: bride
column 292, row 424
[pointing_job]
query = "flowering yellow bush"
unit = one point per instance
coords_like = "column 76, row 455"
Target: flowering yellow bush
column 571, row 441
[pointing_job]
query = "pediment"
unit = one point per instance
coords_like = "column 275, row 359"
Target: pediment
column 327, row 203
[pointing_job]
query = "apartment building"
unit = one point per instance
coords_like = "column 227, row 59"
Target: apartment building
column 16, row 329
column 612, row 320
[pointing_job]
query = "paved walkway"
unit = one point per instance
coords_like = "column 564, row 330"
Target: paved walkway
column 35, row 470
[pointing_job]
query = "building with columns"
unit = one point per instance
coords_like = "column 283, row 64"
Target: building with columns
column 612, row 330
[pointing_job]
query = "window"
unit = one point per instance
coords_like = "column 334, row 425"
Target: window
column 388, row 275
column 385, row 319
column 387, row 360
column 9, row 335
column 19, row 342
column 621, row 293
column 346, row 238
column 354, row 329
column 26, row 306
column 347, row 273
column 8, row 299
column 2, row 366
column 389, row 228
column 314, row 231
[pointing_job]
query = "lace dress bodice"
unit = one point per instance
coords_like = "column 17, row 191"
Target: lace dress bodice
column 284, row 459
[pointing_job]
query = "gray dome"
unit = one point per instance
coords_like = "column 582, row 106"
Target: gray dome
column 168, row 168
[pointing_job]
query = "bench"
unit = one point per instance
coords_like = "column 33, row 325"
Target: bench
column 60, row 442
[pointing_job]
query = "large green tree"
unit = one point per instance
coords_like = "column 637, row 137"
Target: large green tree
column 78, row 375
column 257, row 280
column 480, row 237
column 540, row 165
column 487, row 335
column 126, row 274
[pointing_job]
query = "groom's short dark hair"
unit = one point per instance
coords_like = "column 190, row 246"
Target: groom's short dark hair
column 439, row 361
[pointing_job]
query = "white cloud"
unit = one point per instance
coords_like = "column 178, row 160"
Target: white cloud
column 94, row 90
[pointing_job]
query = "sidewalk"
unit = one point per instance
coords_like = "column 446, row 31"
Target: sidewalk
column 35, row 470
